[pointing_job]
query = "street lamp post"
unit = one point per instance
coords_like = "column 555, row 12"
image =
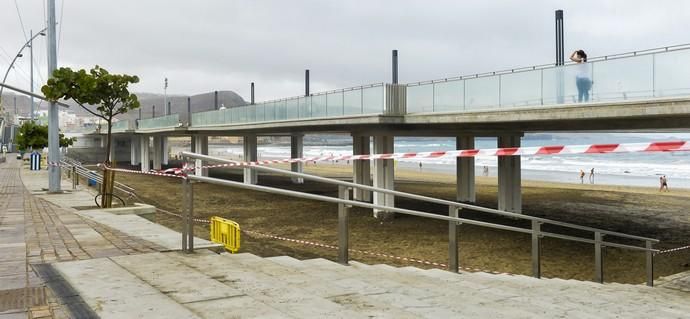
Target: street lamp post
column 18, row 55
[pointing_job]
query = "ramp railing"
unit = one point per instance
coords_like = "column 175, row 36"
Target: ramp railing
column 344, row 203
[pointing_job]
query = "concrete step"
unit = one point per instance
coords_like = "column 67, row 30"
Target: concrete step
column 113, row 292
column 287, row 298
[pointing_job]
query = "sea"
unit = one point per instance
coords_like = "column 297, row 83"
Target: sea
column 624, row 169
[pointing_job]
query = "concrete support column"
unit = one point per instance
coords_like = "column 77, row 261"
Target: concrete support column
column 384, row 171
column 250, row 155
column 200, row 146
column 144, row 153
column 297, row 151
column 465, row 171
column 157, row 152
column 165, row 150
column 509, row 177
column 361, row 169
column 135, row 150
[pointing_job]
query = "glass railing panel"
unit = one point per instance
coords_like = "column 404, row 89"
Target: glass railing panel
column 270, row 111
column 260, row 112
column 281, row 110
column 672, row 73
column 560, row 86
column 234, row 114
column 520, row 89
column 292, row 108
column 420, row 98
column 372, row 100
column 449, row 96
column 319, row 105
column 160, row 122
column 335, row 103
column 482, row 93
column 352, row 102
column 304, row 107
column 251, row 113
column 623, row 79
column 121, row 125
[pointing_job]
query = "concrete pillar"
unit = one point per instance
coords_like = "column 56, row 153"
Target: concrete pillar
column 384, row 171
column 144, row 152
column 509, row 176
column 361, row 169
column 165, row 150
column 135, row 150
column 200, row 146
column 157, row 152
column 465, row 171
column 250, row 155
column 297, row 151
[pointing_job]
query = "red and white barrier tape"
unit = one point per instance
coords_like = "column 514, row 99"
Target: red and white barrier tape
column 672, row 250
column 669, row 146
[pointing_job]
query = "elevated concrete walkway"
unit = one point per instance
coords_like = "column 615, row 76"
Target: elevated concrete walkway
column 209, row 285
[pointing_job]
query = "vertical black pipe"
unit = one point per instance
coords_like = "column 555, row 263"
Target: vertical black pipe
column 189, row 110
column 252, row 95
column 140, row 113
column 560, row 48
column 215, row 100
column 306, row 82
column 153, row 112
column 395, row 66
column 168, row 109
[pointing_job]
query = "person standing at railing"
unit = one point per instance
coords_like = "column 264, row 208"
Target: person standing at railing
column 582, row 79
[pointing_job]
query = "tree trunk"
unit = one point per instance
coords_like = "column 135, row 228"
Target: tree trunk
column 108, row 175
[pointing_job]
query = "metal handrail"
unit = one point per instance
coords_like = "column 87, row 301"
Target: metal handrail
column 86, row 173
column 452, row 217
column 678, row 47
column 418, row 197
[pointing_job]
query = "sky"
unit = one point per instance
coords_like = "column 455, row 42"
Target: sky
column 202, row 46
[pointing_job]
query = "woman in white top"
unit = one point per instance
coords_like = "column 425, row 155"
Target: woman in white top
column 582, row 79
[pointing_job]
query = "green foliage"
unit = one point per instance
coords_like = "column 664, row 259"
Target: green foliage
column 109, row 93
column 35, row 136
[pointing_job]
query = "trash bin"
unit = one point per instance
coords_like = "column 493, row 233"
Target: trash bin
column 35, row 161
column 92, row 178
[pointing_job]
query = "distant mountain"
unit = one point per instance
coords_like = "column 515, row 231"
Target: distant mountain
column 178, row 103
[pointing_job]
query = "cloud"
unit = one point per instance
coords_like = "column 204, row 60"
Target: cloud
column 224, row 45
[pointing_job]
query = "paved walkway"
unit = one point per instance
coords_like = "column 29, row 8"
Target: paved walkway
column 34, row 231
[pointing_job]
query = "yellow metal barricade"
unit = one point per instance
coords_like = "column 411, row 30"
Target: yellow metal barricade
column 226, row 232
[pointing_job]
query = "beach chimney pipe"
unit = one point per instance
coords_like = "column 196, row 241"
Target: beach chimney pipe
column 252, row 96
column 306, row 82
column 395, row 66
column 140, row 113
column 168, row 108
column 215, row 99
column 560, row 48
column 153, row 112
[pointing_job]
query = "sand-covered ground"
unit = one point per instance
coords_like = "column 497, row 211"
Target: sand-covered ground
column 632, row 210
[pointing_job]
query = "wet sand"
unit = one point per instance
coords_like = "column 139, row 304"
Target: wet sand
column 633, row 210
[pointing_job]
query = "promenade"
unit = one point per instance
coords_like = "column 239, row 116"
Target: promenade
column 34, row 230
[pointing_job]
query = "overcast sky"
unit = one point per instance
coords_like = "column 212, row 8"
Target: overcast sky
column 203, row 46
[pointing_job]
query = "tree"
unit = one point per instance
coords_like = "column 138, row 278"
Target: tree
column 107, row 92
column 110, row 96
column 35, row 136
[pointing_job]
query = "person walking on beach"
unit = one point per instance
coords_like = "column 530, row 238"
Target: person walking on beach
column 582, row 79
column 582, row 177
column 591, row 176
column 663, row 183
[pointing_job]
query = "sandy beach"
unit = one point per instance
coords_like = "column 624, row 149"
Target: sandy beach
column 633, row 210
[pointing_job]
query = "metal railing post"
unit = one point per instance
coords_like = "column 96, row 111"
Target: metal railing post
column 75, row 178
column 650, row 263
column 190, row 216
column 185, row 204
column 343, row 231
column 536, row 249
column 598, row 258
column 453, row 263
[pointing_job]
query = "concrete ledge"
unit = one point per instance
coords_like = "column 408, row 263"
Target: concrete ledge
column 137, row 209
